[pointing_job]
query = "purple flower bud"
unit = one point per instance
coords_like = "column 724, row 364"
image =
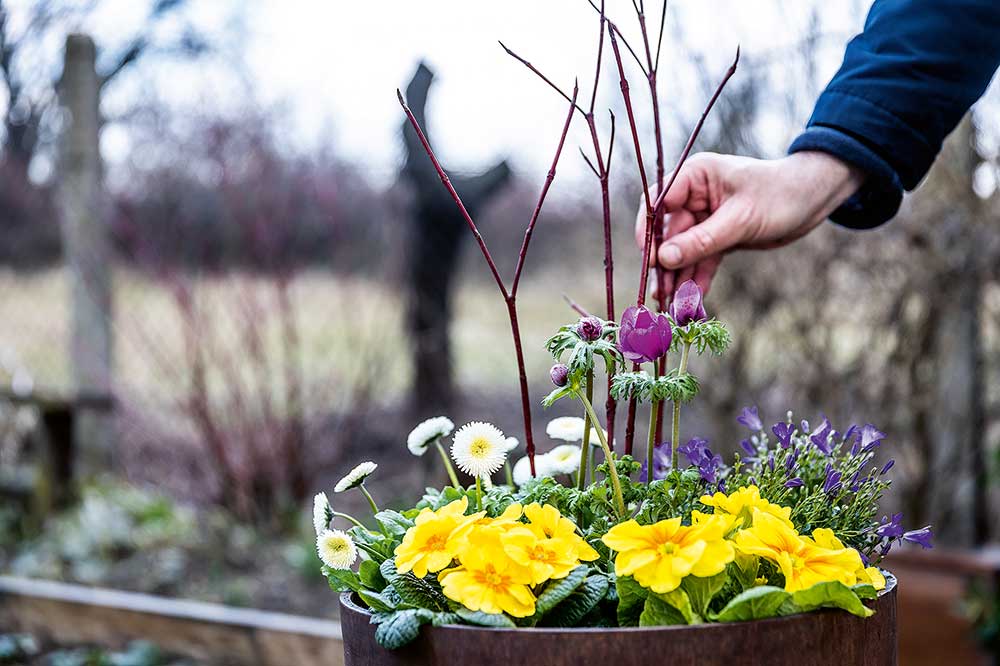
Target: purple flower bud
column 748, row 447
column 922, row 537
column 794, row 483
column 643, row 337
column 559, row 374
column 770, row 460
column 687, row 305
column 821, row 436
column 804, row 426
column 792, row 460
column 749, row 419
column 832, row 482
column 887, row 466
column 699, row 454
column 783, row 431
column 589, row 328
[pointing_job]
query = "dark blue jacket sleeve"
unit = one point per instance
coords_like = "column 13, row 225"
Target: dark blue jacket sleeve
column 905, row 83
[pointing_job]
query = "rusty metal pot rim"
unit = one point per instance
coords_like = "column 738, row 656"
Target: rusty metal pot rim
column 348, row 602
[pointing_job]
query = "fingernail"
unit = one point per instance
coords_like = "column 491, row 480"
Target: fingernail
column 671, row 255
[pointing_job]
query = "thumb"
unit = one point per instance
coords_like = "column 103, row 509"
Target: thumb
column 718, row 233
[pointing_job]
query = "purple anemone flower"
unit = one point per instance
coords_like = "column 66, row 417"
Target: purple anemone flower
column 700, row 455
column 871, row 437
column 589, row 328
column 783, row 431
column 794, row 483
column 922, row 537
column 687, row 305
column 643, row 337
column 559, row 374
column 749, row 419
column 661, row 463
column 891, row 528
column 822, row 435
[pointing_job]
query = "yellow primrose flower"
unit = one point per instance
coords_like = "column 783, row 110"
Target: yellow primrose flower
column 491, row 582
column 434, row 540
column 743, row 501
column 800, row 559
column 485, row 529
column 825, row 538
column 546, row 522
column 546, row 558
column 659, row 556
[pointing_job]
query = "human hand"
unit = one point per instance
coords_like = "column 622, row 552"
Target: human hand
column 720, row 203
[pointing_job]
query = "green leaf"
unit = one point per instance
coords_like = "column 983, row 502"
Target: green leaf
column 393, row 522
column 657, row 613
column 744, row 570
column 754, row 604
column 865, row 591
column 418, row 592
column 577, row 604
column 556, row 394
column 342, row 580
column 631, row 597
column 398, row 629
column 701, row 591
column 370, row 576
column 376, row 601
column 831, row 594
column 558, row 590
column 481, row 619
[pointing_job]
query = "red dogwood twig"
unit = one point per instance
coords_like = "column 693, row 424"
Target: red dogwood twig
column 509, row 295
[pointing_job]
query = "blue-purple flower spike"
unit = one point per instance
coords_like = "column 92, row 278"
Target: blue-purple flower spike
column 783, row 431
column 750, row 419
column 661, row 463
column 832, row 482
column 794, row 483
column 891, row 528
column 821, row 436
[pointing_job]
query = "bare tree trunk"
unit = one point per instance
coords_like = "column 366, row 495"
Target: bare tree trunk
column 86, row 246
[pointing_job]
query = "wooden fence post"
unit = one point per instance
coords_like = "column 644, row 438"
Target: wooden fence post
column 87, row 248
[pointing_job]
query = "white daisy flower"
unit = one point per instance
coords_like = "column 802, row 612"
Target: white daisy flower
column 512, row 443
column 566, row 428
column 564, row 459
column 355, row 477
column 426, row 432
column 522, row 469
column 595, row 439
column 336, row 549
column 322, row 513
column 479, row 449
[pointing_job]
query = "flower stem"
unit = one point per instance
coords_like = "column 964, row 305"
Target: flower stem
column 447, row 464
column 479, row 495
column 654, row 411
column 352, row 519
column 616, row 486
column 508, row 473
column 368, row 496
column 676, row 429
column 581, row 480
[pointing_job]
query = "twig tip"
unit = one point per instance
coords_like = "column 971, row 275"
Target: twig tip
column 399, row 95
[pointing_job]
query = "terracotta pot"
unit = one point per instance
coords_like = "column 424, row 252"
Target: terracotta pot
column 820, row 638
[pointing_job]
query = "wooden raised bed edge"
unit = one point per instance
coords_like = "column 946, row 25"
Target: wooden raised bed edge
column 66, row 613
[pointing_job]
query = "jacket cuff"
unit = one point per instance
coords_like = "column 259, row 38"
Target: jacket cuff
column 880, row 196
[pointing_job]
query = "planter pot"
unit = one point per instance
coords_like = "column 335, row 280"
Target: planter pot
column 812, row 639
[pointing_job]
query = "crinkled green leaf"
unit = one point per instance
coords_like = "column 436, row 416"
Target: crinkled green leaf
column 831, row 594
column 631, row 597
column 568, row 612
column 558, row 590
column 418, row 592
column 482, row 619
column 666, row 609
column 755, row 603
column 701, row 591
column 393, row 522
column 400, row 627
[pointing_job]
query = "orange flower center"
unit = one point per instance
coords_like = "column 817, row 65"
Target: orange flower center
column 489, row 576
column 436, row 542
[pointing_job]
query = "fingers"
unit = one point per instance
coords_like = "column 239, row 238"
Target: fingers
column 718, row 233
column 705, row 272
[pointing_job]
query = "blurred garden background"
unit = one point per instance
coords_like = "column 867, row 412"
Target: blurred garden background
column 264, row 296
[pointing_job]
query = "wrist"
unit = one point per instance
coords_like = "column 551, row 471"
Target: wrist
column 826, row 180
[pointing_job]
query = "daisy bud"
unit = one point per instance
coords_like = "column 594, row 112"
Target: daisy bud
column 589, row 328
column 559, row 374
